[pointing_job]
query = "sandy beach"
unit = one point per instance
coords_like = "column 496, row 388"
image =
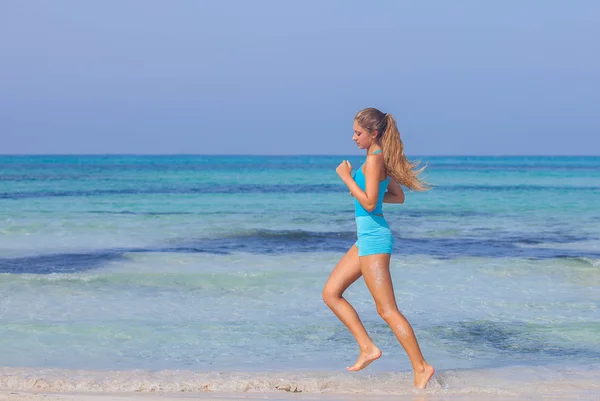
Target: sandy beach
column 26, row 396
column 472, row 385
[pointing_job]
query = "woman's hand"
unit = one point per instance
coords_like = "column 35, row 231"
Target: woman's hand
column 394, row 193
column 344, row 169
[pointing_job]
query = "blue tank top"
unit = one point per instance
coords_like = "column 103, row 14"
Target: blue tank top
column 359, row 177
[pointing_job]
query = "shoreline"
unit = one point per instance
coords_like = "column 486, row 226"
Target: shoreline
column 31, row 396
column 513, row 383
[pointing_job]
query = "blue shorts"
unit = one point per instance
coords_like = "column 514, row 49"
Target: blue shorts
column 374, row 235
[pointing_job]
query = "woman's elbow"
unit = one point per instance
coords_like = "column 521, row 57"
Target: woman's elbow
column 369, row 207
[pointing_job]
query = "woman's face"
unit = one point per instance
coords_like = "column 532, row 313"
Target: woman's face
column 362, row 137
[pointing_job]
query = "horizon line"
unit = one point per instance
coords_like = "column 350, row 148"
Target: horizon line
column 286, row 155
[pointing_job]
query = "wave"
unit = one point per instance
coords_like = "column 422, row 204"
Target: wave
column 587, row 261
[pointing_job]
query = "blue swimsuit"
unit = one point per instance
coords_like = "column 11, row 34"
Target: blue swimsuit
column 374, row 234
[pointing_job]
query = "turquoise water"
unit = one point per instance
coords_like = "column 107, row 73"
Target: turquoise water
column 217, row 264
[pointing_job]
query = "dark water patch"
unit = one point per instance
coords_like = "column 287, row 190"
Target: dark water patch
column 282, row 242
column 492, row 245
column 307, row 217
column 177, row 163
column 259, row 244
column 516, row 339
column 83, row 261
column 272, row 242
column 268, row 189
column 444, row 213
column 449, row 248
column 275, row 242
column 60, row 194
column 93, row 169
column 127, row 212
column 19, row 177
column 258, row 241
column 481, row 243
column 266, row 242
column 58, row 263
column 199, row 190
column 298, row 241
column 516, row 188
column 45, row 177
column 490, row 168
column 556, row 237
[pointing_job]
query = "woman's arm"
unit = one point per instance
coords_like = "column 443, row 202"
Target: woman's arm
column 373, row 169
column 394, row 193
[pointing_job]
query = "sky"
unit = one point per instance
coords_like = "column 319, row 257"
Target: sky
column 273, row 77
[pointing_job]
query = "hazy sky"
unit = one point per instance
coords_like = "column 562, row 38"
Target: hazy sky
column 287, row 77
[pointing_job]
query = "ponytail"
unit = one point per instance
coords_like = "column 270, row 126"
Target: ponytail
column 396, row 163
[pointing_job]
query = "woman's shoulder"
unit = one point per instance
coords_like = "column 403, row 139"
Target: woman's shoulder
column 376, row 156
column 375, row 160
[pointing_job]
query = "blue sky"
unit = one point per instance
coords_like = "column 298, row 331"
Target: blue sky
column 287, row 77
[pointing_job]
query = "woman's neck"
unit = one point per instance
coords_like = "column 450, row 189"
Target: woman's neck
column 373, row 148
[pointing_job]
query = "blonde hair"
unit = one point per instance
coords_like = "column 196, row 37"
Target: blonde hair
column 396, row 164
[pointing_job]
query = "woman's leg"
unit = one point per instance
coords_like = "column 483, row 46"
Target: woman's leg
column 345, row 273
column 376, row 272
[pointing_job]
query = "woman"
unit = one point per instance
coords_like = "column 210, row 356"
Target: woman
column 378, row 180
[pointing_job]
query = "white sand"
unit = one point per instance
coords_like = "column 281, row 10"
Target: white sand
column 25, row 396
column 512, row 383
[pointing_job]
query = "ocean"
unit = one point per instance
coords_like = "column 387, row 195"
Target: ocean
column 205, row 273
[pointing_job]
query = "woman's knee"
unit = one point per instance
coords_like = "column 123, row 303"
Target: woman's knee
column 330, row 296
column 387, row 312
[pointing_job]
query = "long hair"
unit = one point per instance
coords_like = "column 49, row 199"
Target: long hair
column 396, row 164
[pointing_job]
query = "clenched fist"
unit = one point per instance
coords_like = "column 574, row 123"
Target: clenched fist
column 344, row 169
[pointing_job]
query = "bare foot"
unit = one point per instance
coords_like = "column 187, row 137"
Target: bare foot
column 422, row 377
column 365, row 359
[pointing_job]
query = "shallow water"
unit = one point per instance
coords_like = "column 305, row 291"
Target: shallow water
column 216, row 264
